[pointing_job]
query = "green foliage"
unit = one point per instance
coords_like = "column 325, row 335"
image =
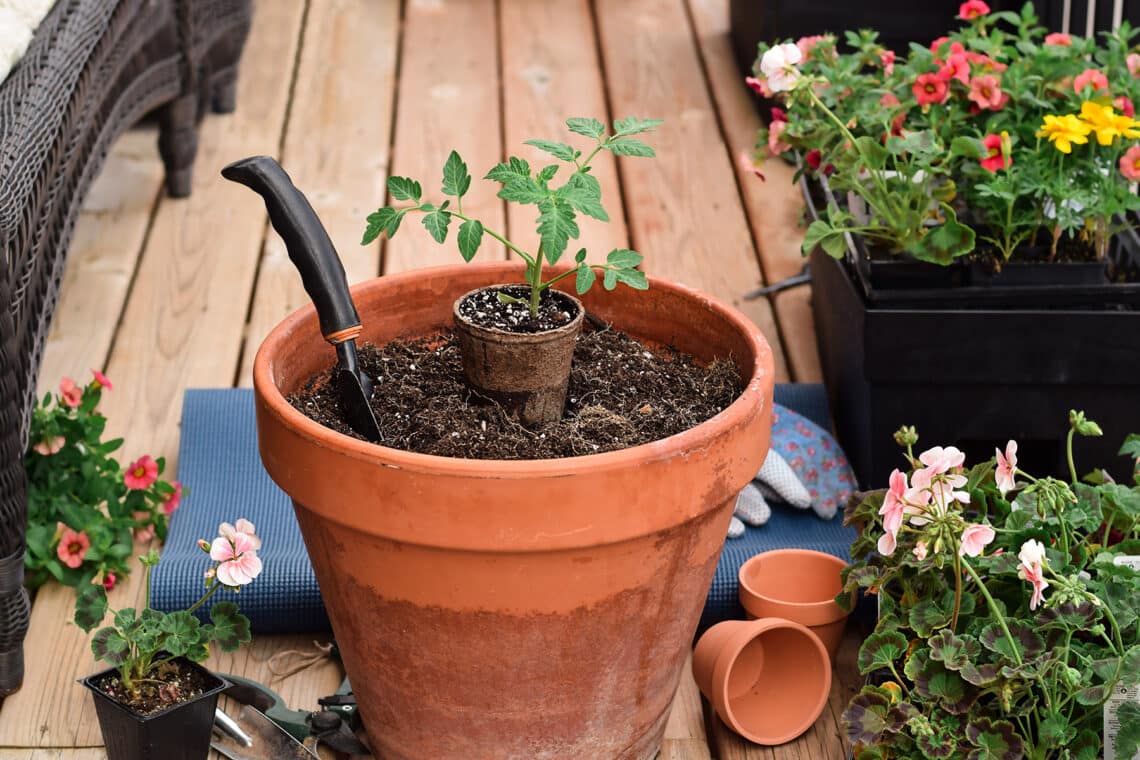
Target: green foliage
column 83, row 519
column 558, row 207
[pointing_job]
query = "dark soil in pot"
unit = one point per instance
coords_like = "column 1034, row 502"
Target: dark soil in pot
column 486, row 310
column 621, row 394
column 168, row 684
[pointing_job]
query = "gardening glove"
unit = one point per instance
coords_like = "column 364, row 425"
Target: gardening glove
column 814, row 458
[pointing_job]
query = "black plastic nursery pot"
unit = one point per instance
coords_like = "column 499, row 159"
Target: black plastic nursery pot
column 181, row 732
column 974, row 377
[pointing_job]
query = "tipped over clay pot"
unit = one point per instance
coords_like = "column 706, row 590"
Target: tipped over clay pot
column 768, row 680
column 799, row 585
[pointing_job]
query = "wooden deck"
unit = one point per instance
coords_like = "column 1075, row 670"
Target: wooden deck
column 170, row 294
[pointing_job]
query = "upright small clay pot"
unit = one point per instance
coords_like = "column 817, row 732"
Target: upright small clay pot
column 799, row 585
column 768, row 680
column 528, row 373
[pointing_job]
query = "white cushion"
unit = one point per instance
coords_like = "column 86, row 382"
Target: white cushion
column 18, row 22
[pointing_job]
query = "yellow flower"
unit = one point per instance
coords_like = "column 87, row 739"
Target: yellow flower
column 1108, row 124
column 1064, row 131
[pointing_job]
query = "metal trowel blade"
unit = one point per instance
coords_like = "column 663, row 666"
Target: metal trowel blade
column 353, row 396
column 270, row 741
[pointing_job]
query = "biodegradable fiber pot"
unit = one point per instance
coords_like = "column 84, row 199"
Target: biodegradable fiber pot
column 799, row 585
column 181, row 732
column 768, row 680
column 526, row 372
column 514, row 609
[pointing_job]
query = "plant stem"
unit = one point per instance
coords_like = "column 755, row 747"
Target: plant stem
column 535, row 277
column 1069, row 455
column 1014, row 645
column 209, row 592
column 957, row 591
column 525, row 256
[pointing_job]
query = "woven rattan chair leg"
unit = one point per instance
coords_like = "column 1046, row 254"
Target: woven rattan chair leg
column 15, row 610
column 223, row 91
column 178, row 143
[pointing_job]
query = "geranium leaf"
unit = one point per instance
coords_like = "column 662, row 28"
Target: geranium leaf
column 953, row 651
column 870, row 715
column 993, row 740
column 1128, row 737
column 881, row 650
column 930, row 614
column 109, row 646
column 180, row 632
column 231, row 628
column 1027, row 643
column 91, row 607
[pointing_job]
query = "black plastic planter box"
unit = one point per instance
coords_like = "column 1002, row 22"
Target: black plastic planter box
column 181, row 732
column 974, row 378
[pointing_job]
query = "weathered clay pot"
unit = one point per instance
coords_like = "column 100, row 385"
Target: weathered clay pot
column 514, row 609
column 799, row 585
column 528, row 373
column 768, row 680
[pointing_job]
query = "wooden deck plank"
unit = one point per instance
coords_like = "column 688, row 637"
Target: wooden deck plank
column 548, row 78
column 104, row 252
column 774, row 206
column 181, row 328
column 685, row 737
column 449, row 99
column 684, row 208
column 89, row 753
column 336, row 148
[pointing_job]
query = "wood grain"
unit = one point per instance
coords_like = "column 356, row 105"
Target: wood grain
column 104, row 252
column 449, row 99
column 336, row 148
column 684, row 208
column 773, row 206
column 685, row 737
column 548, row 78
column 181, row 328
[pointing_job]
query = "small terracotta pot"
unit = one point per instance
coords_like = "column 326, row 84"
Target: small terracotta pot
column 514, row 609
column 768, row 680
column 799, row 585
column 528, row 373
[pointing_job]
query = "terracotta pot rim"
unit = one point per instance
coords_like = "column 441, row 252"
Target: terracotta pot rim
column 821, row 612
column 730, row 653
column 738, row 411
column 506, row 336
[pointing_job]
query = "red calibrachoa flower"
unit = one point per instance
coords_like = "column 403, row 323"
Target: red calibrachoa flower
column 930, row 89
column 1124, row 105
column 1130, row 164
column 887, row 60
column 141, row 474
column 985, row 92
column 171, row 504
column 73, row 546
column 972, row 9
column 72, row 393
column 109, row 581
column 1090, row 77
column 779, row 114
column 814, row 158
column 996, row 157
column 1059, row 38
column 957, row 67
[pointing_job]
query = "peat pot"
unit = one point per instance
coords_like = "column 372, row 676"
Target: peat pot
column 181, row 732
column 514, row 609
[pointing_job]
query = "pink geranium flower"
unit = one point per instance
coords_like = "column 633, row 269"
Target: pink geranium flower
column 141, row 474
column 173, row 500
column 920, row 551
column 1058, row 38
column 1133, row 63
column 1088, row 77
column 236, row 552
column 50, row 446
column 940, row 460
column 1130, row 164
column 1032, row 569
column 985, row 92
column 72, row 393
column 930, row 89
column 975, row 538
column 778, row 64
column 101, row 380
column 73, row 546
column 972, row 9
column 759, row 86
column 1006, row 468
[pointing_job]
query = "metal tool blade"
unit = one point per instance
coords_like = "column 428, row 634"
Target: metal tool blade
column 354, row 390
column 269, row 741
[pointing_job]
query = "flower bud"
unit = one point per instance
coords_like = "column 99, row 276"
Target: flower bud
column 906, row 436
column 204, row 545
column 1084, row 426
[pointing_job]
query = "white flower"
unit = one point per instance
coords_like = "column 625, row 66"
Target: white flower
column 1032, row 553
column 779, row 67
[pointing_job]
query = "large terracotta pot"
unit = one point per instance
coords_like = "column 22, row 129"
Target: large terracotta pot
column 514, row 609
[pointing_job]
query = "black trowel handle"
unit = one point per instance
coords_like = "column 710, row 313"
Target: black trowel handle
column 308, row 243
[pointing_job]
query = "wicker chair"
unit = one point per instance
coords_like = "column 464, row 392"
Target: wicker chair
column 94, row 68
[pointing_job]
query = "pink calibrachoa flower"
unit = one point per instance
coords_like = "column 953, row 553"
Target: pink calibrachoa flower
column 748, row 164
column 972, row 9
column 1133, row 63
column 173, row 500
column 1130, row 164
column 930, row 89
column 985, row 91
column 776, row 146
column 1032, row 556
column 236, row 552
column 759, row 86
column 957, row 67
column 73, row 546
column 143, row 534
column 49, row 447
column 937, row 44
column 778, row 64
column 1090, row 77
column 975, row 539
column 1006, row 468
column 920, row 551
column 101, row 380
column 141, row 474
column 809, row 44
column 1058, row 38
column 996, row 157
column 109, row 580
column 72, row 393
column 1124, row 105
column 887, row 60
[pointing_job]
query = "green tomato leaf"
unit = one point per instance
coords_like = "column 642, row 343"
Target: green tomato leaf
column 109, row 646
column 634, row 125
column 585, row 278
column 456, row 180
column 609, row 279
column 556, row 226
column 584, row 202
column 404, row 189
column 512, row 169
column 470, row 236
column 382, row 221
column 623, row 258
column 547, row 173
column 629, row 147
column 580, row 256
column 558, row 150
column 523, row 190
column 436, row 223
column 634, row 278
column 588, row 127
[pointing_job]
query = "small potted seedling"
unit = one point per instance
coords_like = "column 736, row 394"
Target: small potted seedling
column 517, row 340
column 156, row 702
